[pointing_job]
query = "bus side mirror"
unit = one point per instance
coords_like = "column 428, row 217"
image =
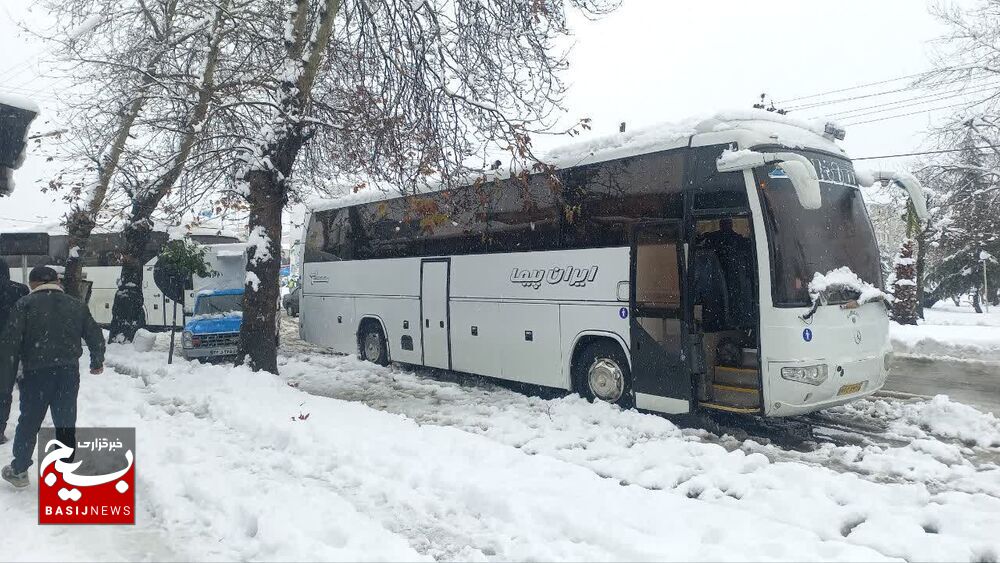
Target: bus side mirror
column 904, row 180
column 805, row 182
column 799, row 170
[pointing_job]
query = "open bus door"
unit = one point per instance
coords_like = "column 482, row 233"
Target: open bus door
column 661, row 378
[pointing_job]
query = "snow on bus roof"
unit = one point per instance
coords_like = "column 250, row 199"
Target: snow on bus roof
column 57, row 228
column 751, row 127
column 19, row 102
column 654, row 138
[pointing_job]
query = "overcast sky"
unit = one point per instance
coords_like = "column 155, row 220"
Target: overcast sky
column 655, row 61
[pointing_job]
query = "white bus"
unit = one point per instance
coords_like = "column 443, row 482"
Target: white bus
column 102, row 268
column 664, row 270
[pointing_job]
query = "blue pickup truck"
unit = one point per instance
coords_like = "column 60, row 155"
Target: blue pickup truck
column 213, row 333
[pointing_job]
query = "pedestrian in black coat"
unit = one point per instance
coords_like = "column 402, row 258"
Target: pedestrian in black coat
column 45, row 334
column 10, row 292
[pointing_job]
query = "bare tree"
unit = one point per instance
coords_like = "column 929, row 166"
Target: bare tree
column 161, row 74
column 112, row 50
column 400, row 90
column 189, row 97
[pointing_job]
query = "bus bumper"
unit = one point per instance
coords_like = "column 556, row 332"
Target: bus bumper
column 846, row 381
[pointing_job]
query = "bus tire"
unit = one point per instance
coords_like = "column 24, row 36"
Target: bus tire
column 374, row 347
column 601, row 373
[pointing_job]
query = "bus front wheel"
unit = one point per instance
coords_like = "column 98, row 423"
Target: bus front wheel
column 373, row 345
column 601, row 373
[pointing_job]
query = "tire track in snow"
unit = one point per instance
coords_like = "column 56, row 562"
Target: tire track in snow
column 651, row 452
column 441, row 518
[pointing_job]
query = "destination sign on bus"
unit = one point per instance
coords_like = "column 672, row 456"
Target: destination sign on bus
column 828, row 170
column 834, row 171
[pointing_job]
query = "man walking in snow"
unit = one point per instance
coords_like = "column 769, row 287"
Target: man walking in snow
column 10, row 293
column 44, row 333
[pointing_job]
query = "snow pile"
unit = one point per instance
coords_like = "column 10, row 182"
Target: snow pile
column 951, row 332
column 958, row 342
column 949, row 419
column 730, row 156
column 344, row 460
column 768, row 126
column 764, row 126
column 923, row 500
column 144, row 341
column 938, row 418
column 241, row 466
column 843, row 277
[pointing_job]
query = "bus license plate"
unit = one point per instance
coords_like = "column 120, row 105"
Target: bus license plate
column 851, row 389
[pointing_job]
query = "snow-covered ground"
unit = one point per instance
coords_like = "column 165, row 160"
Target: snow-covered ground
column 952, row 332
column 339, row 459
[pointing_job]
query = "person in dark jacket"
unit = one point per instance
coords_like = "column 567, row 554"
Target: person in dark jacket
column 44, row 333
column 735, row 253
column 10, row 292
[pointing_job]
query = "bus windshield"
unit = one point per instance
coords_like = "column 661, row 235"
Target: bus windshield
column 804, row 242
column 216, row 304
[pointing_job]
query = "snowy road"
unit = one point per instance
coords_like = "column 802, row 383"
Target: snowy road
column 973, row 382
column 341, row 460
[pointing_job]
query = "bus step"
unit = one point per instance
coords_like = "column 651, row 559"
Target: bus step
column 737, row 377
column 727, row 408
column 751, row 358
column 740, row 397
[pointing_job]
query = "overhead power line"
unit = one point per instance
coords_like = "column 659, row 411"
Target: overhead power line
column 966, row 104
column 902, row 105
column 891, row 106
column 924, row 153
column 866, row 85
column 908, row 88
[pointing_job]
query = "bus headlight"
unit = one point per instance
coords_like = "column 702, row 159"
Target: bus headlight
column 186, row 339
column 813, row 375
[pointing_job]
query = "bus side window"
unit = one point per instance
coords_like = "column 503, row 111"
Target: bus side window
column 523, row 216
column 603, row 200
column 714, row 189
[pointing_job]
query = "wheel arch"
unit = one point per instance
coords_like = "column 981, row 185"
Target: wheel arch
column 366, row 319
column 586, row 338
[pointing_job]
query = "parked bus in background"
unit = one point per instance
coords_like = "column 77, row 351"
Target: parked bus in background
column 102, row 269
column 728, row 264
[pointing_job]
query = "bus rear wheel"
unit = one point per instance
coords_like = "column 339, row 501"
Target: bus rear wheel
column 373, row 344
column 601, row 373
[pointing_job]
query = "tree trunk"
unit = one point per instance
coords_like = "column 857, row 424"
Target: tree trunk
column 976, row 305
column 956, row 299
column 129, row 312
column 79, row 225
column 268, row 184
column 258, row 336
column 994, row 296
